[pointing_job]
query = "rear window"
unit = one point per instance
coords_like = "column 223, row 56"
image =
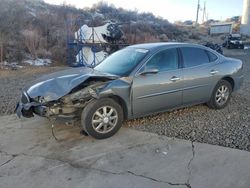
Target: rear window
column 212, row 57
column 194, row 56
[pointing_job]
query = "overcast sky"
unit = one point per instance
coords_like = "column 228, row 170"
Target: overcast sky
column 172, row 10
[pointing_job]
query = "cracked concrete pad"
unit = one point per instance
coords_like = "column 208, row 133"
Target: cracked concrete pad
column 31, row 157
column 30, row 172
column 31, row 138
column 218, row 167
column 5, row 159
column 153, row 159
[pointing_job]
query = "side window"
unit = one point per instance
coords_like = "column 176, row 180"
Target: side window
column 194, row 56
column 212, row 57
column 164, row 60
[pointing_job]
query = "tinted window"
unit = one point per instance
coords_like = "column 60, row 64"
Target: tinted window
column 122, row 62
column 194, row 56
column 212, row 57
column 164, row 60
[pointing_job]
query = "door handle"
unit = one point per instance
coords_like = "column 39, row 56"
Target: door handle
column 213, row 72
column 174, row 79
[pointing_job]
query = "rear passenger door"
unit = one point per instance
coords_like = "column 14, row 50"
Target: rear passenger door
column 199, row 71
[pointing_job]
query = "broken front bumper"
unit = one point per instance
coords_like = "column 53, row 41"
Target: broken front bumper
column 27, row 110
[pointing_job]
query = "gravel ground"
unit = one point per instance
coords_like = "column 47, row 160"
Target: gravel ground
column 228, row 127
column 12, row 82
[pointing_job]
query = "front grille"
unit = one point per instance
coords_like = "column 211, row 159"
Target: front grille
column 24, row 98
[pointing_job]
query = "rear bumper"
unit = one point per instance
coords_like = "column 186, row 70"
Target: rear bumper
column 238, row 82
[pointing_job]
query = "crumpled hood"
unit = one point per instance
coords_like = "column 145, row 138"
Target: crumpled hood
column 59, row 84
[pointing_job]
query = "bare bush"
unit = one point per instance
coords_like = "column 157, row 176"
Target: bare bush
column 31, row 41
column 1, row 47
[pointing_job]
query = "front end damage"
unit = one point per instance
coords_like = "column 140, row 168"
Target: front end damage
column 68, row 106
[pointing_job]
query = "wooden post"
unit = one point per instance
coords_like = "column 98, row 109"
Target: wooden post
column 1, row 52
column 197, row 14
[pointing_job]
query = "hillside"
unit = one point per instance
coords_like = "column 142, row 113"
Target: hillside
column 33, row 29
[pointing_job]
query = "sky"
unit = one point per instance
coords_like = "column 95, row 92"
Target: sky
column 173, row 10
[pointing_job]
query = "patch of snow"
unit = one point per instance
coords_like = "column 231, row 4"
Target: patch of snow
column 165, row 153
column 38, row 62
column 31, row 11
column 97, row 14
column 32, row 14
column 12, row 66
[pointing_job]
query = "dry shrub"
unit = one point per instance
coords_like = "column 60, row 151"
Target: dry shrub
column 31, row 41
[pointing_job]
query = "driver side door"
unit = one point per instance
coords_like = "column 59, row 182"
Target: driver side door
column 158, row 85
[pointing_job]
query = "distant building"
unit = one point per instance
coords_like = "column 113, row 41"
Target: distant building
column 221, row 28
column 188, row 22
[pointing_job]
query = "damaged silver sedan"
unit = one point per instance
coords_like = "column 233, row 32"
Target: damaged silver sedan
column 134, row 82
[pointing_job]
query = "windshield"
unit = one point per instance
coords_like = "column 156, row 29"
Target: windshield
column 235, row 38
column 122, row 62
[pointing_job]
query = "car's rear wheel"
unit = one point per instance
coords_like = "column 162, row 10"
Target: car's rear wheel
column 221, row 95
column 102, row 118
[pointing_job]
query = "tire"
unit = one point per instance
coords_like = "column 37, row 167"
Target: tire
column 97, row 122
column 230, row 46
column 213, row 103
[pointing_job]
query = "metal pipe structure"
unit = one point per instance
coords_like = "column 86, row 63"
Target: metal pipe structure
column 246, row 12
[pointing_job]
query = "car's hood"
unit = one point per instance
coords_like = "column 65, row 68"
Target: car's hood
column 59, row 84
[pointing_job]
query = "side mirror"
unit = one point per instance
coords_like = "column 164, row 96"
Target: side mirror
column 149, row 71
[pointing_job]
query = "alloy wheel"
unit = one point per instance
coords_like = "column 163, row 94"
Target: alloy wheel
column 222, row 95
column 104, row 119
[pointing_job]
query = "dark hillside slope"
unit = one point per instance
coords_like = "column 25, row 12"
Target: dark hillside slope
column 33, row 29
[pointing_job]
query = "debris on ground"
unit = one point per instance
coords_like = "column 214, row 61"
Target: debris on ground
column 38, row 62
column 214, row 46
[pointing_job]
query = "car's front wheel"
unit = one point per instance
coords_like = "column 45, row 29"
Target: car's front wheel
column 221, row 95
column 102, row 118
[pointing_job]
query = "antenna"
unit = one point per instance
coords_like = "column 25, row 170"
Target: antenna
column 197, row 14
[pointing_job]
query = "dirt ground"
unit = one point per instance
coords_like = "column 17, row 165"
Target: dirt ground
column 228, row 127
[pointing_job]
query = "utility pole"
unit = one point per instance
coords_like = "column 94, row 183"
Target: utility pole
column 197, row 14
column 204, row 12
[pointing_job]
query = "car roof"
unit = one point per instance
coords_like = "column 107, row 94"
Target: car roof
column 159, row 45
column 154, row 47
